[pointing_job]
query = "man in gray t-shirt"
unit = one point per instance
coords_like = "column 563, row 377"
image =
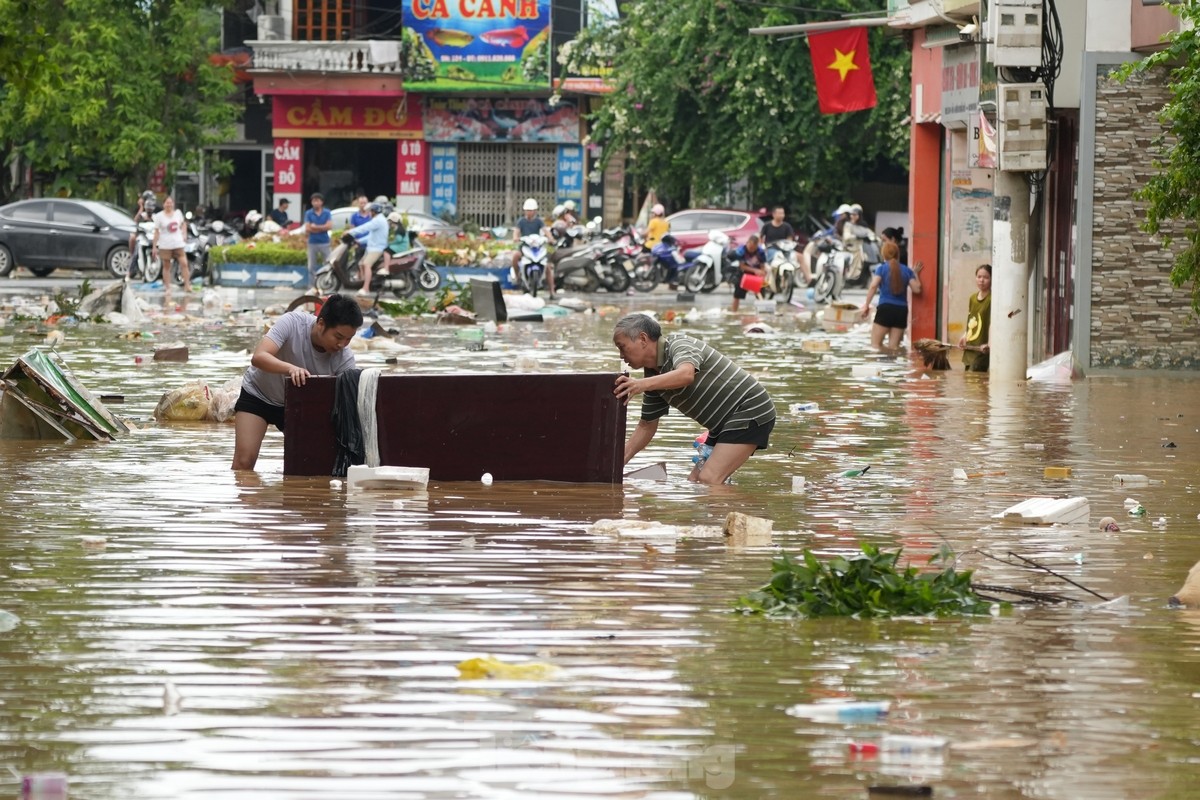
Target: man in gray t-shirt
column 293, row 333
column 298, row 346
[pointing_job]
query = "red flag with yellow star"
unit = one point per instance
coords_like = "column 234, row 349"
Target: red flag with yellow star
column 842, row 65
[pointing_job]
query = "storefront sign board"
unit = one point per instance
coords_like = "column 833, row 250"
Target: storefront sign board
column 570, row 174
column 511, row 119
column 468, row 45
column 443, row 163
column 346, row 117
column 412, row 168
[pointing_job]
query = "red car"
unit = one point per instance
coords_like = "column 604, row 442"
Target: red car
column 691, row 226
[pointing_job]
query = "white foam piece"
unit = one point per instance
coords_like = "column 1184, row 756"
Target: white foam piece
column 1047, row 511
column 364, row 477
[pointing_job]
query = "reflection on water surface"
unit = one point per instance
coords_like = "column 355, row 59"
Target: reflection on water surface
column 312, row 637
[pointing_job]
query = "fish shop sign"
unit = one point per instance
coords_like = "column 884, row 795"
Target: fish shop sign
column 457, row 45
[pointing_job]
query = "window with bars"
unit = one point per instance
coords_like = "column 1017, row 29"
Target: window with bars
column 326, row 20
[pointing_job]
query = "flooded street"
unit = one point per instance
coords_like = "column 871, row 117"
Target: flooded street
column 255, row 636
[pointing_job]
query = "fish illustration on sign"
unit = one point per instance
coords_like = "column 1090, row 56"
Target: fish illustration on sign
column 506, row 37
column 448, row 37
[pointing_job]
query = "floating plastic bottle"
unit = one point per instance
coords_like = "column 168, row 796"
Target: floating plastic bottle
column 1135, row 479
column 804, row 408
column 905, row 743
column 841, row 712
column 854, row 473
column 1034, row 446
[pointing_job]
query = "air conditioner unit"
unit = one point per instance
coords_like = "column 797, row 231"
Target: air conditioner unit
column 1021, row 126
column 1015, row 28
column 271, row 28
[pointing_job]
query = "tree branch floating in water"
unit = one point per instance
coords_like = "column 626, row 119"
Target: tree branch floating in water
column 869, row 585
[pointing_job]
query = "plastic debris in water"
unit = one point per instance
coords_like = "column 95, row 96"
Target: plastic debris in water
column 8, row 621
column 1109, row 524
column 841, row 712
column 335, row 484
column 854, row 473
column 1079, row 558
column 44, row 786
column 486, row 479
column 1160, row 523
column 1034, row 446
column 1137, row 511
column 474, row 669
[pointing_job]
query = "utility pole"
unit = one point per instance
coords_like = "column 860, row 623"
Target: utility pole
column 1008, row 334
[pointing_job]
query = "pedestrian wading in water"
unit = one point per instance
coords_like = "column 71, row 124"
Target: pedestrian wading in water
column 688, row 375
column 298, row 346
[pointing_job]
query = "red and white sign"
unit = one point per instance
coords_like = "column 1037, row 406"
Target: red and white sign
column 158, row 179
column 326, row 117
column 412, row 168
column 288, row 165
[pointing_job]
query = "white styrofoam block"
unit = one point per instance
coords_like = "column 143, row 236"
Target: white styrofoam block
column 364, row 477
column 1046, row 511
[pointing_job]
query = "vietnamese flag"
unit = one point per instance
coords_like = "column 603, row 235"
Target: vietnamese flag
column 842, row 65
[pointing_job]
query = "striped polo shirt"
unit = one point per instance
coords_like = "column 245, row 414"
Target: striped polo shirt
column 723, row 397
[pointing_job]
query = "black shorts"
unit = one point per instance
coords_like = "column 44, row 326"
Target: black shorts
column 251, row 404
column 891, row 316
column 757, row 434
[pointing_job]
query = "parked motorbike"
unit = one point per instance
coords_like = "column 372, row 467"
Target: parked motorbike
column 712, row 265
column 663, row 264
column 146, row 265
column 196, row 249
column 782, row 269
column 829, row 268
column 532, row 265
column 400, row 269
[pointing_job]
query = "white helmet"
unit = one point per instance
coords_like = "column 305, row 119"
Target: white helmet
column 856, row 209
column 842, row 209
column 658, row 210
column 530, row 205
column 569, row 205
column 558, row 211
column 252, row 216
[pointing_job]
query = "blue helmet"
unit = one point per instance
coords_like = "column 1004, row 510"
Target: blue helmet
column 375, row 208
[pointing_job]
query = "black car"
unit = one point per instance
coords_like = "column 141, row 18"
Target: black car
column 47, row 233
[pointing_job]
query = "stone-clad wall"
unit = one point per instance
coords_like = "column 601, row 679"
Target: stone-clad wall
column 1138, row 318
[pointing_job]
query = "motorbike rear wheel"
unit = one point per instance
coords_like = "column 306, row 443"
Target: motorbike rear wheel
column 428, row 278
column 787, row 285
column 618, row 278
column 697, row 279
column 328, row 283
column 645, row 274
column 826, row 286
column 403, row 285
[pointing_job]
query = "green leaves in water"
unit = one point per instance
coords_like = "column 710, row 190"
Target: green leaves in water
column 869, row 585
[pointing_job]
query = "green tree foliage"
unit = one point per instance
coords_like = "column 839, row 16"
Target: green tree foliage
column 701, row 104
column 1173, row 194
column 94, row 94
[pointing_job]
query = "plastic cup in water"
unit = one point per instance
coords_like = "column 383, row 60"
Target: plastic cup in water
column 797, row 484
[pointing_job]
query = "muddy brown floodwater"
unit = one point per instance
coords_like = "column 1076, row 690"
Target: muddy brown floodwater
column 276, row 638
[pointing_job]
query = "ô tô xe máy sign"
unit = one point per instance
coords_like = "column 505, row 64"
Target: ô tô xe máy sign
column 457, row 45
column 347, row 117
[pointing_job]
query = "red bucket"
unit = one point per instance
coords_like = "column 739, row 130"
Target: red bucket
column 751, row 282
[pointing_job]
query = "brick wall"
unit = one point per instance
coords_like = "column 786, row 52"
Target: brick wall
column 1138, row 318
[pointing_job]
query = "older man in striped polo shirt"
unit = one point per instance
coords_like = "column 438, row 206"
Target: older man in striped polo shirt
column 700, row 382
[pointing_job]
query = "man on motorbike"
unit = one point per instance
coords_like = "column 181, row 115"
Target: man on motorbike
column 853, row 233
column 529, row 224
column 777, row 229
column 752, row 260
column 145, row 213
column 657, row 227
column 808, row 258
column 374, row 234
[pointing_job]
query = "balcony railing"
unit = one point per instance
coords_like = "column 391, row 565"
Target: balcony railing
column 356, row 57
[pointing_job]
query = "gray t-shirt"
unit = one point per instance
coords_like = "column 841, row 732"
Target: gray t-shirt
column 293, row 333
